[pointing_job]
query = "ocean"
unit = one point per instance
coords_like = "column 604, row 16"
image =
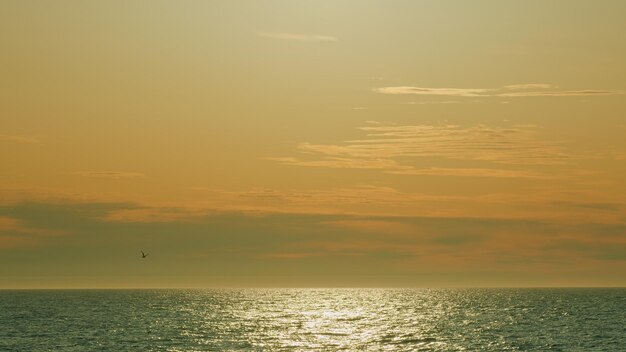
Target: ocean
column 541, row 319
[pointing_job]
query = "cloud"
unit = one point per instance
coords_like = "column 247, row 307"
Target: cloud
column 601, row 206
column 357, row 199
column 523, row 90
column 433, row 102
column 519, row 145
column 388, row 226
column 564, row 93
column 297, row 37
column 460, row 92
column 11, row 194
column 110, row 174
column 19, row 139
column 403, row 150
column 14, row 233
column 234, row 243
column 153, row 214
column 16, row 226
column 377, row 200
column 340, row 163
column 8, row 223
column 292, row 255
column 529, row 86
column 472, row 172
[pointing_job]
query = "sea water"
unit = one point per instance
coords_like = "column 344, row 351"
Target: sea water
column 314, row 320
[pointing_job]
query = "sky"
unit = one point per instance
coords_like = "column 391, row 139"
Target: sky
column 312, row 143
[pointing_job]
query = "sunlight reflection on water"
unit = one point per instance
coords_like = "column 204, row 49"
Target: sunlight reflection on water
column 313, row 319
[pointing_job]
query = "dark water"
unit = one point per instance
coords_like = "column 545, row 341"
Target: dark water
column 314, row 320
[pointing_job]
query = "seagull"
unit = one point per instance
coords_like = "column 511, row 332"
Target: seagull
column 143, row 255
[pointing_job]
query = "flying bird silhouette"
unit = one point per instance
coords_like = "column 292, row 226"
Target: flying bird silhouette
column 143, row 255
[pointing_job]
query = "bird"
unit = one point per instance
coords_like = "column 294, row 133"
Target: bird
column 143, row 255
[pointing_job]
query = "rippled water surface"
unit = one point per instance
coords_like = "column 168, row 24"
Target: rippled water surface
column 314, row 319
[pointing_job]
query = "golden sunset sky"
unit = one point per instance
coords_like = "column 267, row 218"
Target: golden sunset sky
column 312, row 143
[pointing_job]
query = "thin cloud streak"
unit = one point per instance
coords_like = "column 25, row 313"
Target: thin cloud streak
column 14, row 233
column 153, row 215
column 363, row 199
column 8, row 223
column 401, row 150
column 522, row 90
column 433, row 102
column 340, row 163
column 297, row 37
column 459, row 92
column 471, row 172
column 566, row 93
column 110, row 174
column 515, row 145
column 529, row 86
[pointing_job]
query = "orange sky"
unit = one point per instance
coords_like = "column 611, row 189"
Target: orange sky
column 312, row 143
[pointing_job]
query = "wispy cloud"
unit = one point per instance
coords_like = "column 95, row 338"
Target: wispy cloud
column 459, row 92
column 547, row 199
column 404, row 149
column 19, row 139
column 293, row 255
column 520, row 90
column 378, row 200
column 339, row 163
column 529, row 86
column 110, row 174
column 475, row 172
column 433, row 102
column 14, row 233
column 519, row 145
column 563, row 93
column 357, row 199
column 8, row 223
column 153, row 215
column 297, row 37
column 232, row 243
